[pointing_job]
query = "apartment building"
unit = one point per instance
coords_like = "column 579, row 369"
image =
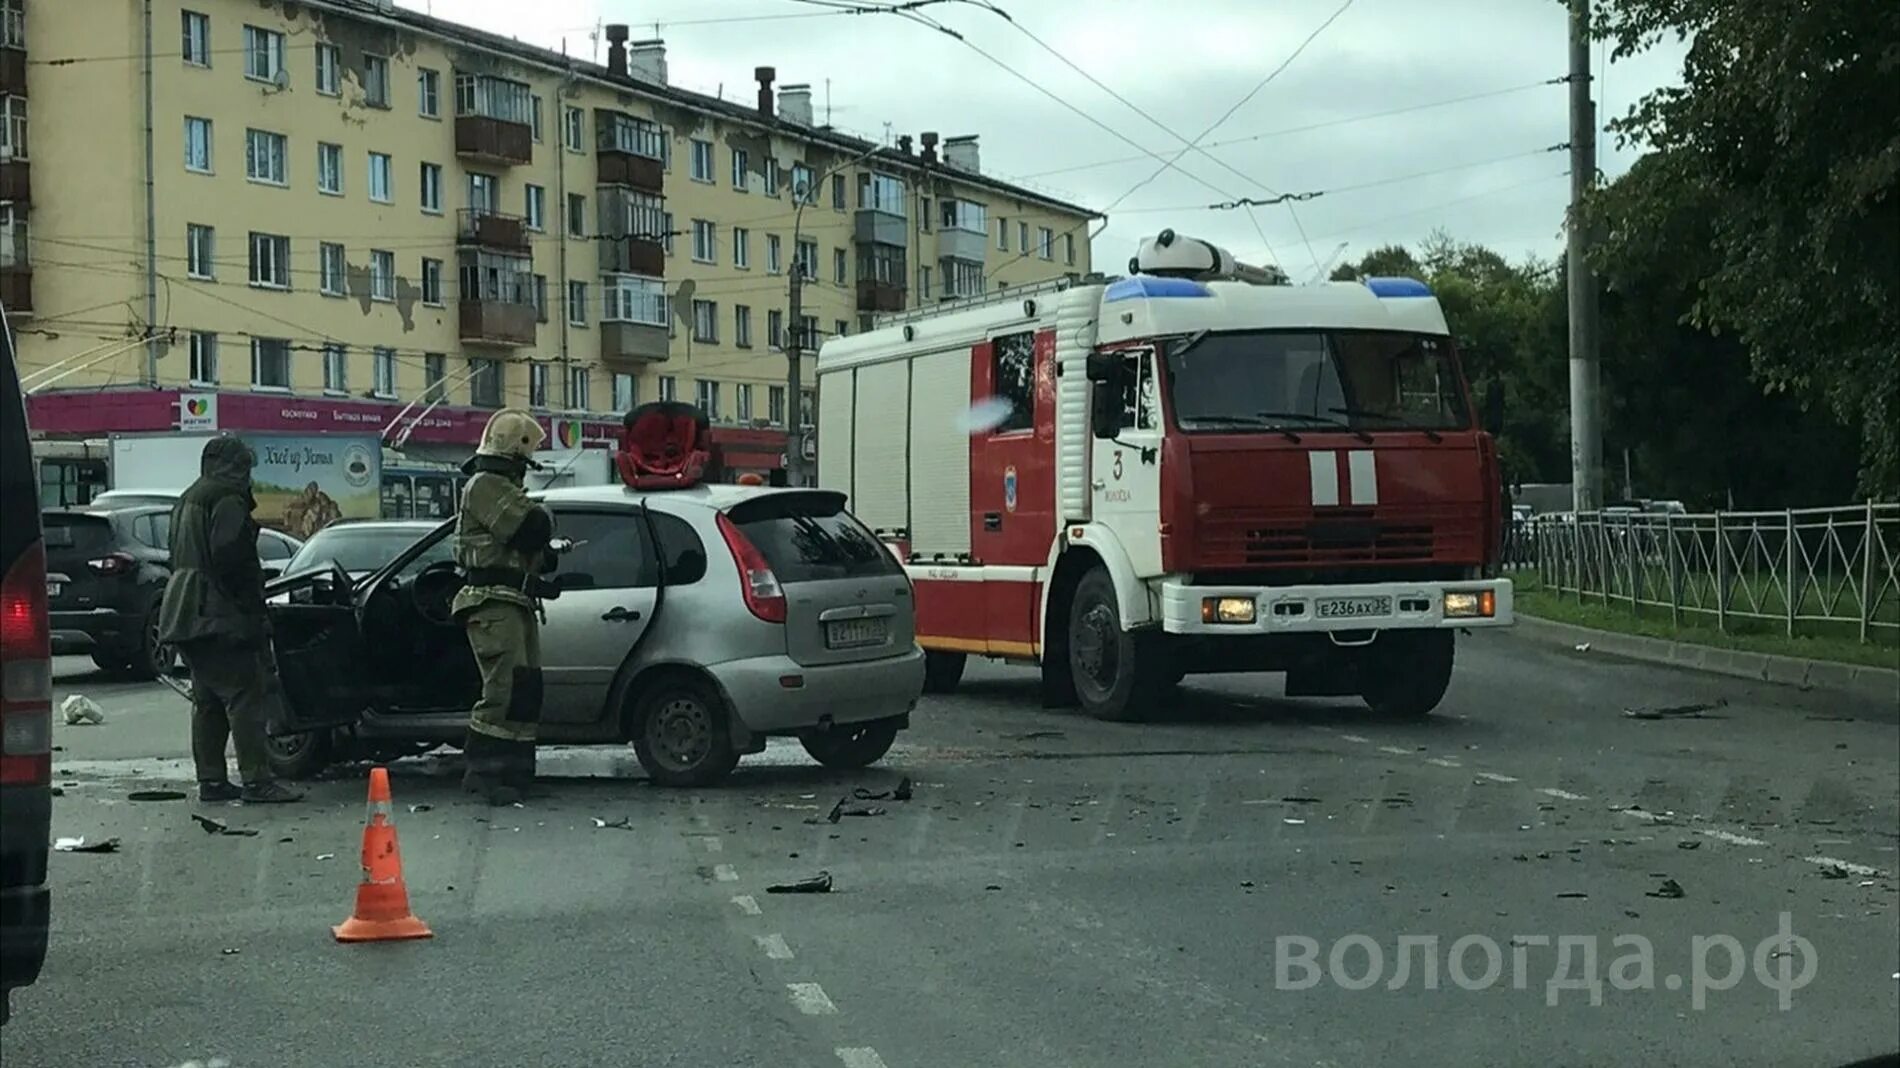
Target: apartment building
column 341, row 214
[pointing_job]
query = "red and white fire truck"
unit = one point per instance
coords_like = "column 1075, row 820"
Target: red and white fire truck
column 1130, row 480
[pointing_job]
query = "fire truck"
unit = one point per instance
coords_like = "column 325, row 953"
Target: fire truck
column 1184, row 470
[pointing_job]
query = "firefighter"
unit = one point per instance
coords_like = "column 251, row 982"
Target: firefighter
column 501, row 543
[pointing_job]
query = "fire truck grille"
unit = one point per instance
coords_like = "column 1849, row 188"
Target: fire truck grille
column 1282, row 541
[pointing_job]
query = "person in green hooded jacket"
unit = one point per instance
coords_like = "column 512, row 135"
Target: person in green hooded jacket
column 213, row 615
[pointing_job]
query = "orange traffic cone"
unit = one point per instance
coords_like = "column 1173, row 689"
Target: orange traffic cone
column 382, row 898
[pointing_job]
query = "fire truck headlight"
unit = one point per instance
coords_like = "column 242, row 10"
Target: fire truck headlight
column 1468, row 604
column 1227, row 610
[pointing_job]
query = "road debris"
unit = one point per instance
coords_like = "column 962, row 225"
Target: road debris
column 864, row 794
column 80, row 845
column 212, row 826
column 228, row 952
column 156, row 795
column 1668, row 889
column 1293, row 822
column 1573, row 894
column 1300, row 800
column 1833, row 871
column 903, row 791
column 1031, row 736
column 624, row 823
column 80, row 710
column 1583, row 647
column 422, row 807
column 1689, row 843
column 326, row 856
column 1693, row 710
column 817, row 884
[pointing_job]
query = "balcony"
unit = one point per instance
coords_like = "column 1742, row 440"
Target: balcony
column 630, row 346
column 967, row 245
column 631, row 170
column 12, row 71
column 488, row 140
column 16, row 289
column 882, row 227
column 633, row 255
column 16, row 182
column 876, row 296
column 494, row 322
column 491, row 229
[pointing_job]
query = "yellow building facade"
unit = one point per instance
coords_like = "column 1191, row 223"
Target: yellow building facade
column 350, row 200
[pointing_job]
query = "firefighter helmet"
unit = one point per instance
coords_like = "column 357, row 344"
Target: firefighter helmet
column 511, row 432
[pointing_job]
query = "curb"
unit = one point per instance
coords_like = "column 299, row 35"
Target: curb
column 1857, row 680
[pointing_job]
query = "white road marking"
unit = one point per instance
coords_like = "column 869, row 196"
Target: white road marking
column 1644, row 814
column 1360, row 738
column 811, row 999
column 1847, row 866
column 748, row 905
column 1395, row 750
column 774, row 946
column 1495, row 777
column 1730, row 837
column 1561, row 795
column 725, row 873
column 1443, row 762
column 714, row 845
column 860, row 1057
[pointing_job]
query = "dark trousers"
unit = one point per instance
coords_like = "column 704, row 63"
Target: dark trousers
column 233, row 694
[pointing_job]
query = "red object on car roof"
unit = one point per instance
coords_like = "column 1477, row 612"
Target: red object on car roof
column 664, row 445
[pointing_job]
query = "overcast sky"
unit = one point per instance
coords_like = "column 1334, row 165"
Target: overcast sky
column 1185, row 62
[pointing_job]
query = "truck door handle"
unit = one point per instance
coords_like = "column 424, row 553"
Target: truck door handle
column 992, row 520
column 617, row 614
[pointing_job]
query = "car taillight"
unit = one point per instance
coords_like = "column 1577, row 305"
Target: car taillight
column 113, row 564
column 26, row 673
column 764, row 597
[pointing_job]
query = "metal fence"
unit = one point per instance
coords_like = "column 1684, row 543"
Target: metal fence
column 1808, row 569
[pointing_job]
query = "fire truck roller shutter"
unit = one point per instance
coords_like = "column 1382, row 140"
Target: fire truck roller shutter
column 880, row 479
column 940, row 454
column 835, row 446
column 1075, row 338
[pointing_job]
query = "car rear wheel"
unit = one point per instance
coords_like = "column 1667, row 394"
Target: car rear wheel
column 110, row 660
column 151, row 657
column 680, row 734
column 942, row 671
column 857, row 745
column 297, row 756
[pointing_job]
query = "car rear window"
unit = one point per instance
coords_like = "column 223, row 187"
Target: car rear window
column 79, row 532
column 809, row 537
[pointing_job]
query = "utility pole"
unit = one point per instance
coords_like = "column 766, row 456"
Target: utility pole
column 794, row 403
column 1586, row 442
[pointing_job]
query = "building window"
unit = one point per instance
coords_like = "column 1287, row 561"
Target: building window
column 742, row 401
column 1046, row 243
column 837, row 192
column 435, row 368
column 197, row 45
column 624, row 133
column 707, row 396
column 1068, row 249
column 574, row 128
column 883, row 264
column 577, row 303
column 741, row 163
column 270, row 363
column 329, row 70
column 539, row 297
column 534, row 118
column 576, row 215
column 669, row 388
column 771, row 178
column 431, row 182
column 626, row 298
column 742, row 326
column 495, row 276
column 702, row 161
column 13, row 127
column 881, row 192
column 200, row 246
column 741, row 247
column 383, row 372
column 381, row 178
column 805, row 260
column 923, row 215
column 840, row 328
column 774, row 254
column 838, row 266
column 204, row 358
column 270, row 261
column 705, row 321
column 429, row 93
column 807, row 338
column 775, row 405
column 376, row 81
column 265, row 157
column 537, row 385
column 645, row 216
column 382, row 275
column 431, row 281
column 329, row 168
column 336, row 366
column 804, row 185
column 964, row 215
column 484, row 193
column 923, row 282
column 705, row 241
column 775, row 329
column 962, row 278
column 263, row 54
column 807, row 409
column 1013, row 378
column 537, row 208
column 484, row 382
column 624, row 391
column 577, row 399
column 1002, row 235
column 492, row 98
column 330, row 269
column 197, row 144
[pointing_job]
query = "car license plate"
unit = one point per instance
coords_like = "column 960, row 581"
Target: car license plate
column 856, row 633
column 1354, row 607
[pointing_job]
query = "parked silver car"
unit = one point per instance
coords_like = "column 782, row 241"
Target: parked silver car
column 693, row 623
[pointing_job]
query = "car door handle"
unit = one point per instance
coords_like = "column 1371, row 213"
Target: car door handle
column 618, row 614
column 992, row 520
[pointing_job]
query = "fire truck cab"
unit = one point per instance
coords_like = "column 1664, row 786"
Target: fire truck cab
column 1126, row 481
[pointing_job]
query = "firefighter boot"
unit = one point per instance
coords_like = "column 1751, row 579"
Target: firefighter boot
column 485, row 771
column 519, row 773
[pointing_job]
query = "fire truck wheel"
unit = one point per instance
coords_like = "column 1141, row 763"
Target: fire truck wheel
column 1406, row 673
column 942, row 671
column 1117, row 674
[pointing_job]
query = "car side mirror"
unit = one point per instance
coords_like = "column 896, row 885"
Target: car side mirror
column 272, row 571
column 1494, row 407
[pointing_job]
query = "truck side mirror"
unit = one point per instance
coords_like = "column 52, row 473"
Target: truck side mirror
column 1104, row 366
column 1106, row 409
column 1494, row 407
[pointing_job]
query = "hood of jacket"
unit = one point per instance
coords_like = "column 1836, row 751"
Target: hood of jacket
column 228, row 460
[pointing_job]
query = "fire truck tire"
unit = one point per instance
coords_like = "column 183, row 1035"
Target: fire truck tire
column 1117, row 673
column 942, row 671
column 1406, row 673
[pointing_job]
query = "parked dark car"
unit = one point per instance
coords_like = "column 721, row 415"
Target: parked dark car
column 106, row 572
column 26, row 698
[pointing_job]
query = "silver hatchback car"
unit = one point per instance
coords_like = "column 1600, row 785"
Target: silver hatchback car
column 694, row 623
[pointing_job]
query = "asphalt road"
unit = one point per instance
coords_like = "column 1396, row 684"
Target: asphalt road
column 1059, row 892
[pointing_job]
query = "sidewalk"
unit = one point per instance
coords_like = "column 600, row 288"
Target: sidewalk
column 1857, row 680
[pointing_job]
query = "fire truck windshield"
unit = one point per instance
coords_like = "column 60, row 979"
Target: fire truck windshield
column 1366, row 381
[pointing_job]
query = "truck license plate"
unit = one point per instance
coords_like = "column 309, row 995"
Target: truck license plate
column 1354, row 607
column 53, row 588
column 856, row 633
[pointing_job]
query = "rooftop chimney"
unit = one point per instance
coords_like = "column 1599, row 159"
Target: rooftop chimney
column 765, row 76
column 960, row 152
column 903, row 144
column 929, row 151
column 646, row 60
column 617, row 49
column 794, row 104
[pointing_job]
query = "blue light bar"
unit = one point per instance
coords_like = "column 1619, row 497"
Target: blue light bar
column 1149, row 285
column 1398, row 287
